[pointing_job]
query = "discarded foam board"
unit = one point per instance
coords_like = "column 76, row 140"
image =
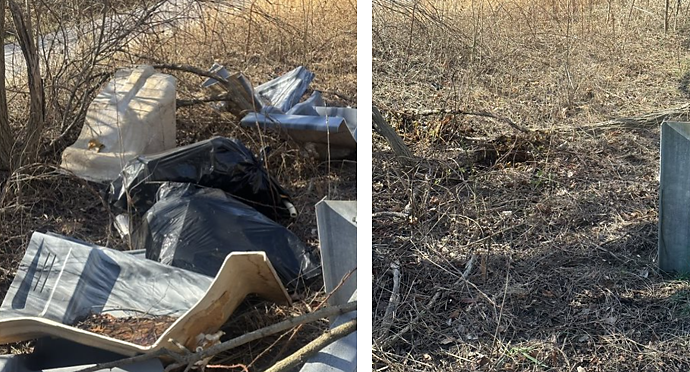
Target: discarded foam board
column 674, row 198
column 44, row 266
column 332, row 134
column 337, row 228
column 133, row 115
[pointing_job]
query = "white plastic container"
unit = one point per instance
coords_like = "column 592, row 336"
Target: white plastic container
column 133, row 115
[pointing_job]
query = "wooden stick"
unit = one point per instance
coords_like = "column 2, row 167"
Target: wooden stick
column 393, row 303
column 397, row 144
column 314, row 347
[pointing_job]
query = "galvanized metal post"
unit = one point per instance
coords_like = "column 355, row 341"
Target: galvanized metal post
column 674, row 198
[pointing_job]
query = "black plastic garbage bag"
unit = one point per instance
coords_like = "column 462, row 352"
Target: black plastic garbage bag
column 218, row 162
column 196, row 228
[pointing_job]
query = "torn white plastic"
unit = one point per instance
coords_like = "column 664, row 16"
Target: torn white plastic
column 133, row 115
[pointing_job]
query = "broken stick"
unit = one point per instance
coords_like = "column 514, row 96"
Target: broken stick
column 399, row 147
column 314, row 347
column 393, row 303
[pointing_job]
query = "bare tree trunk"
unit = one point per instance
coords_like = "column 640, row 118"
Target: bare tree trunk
column 6, row 136
column 34, row 127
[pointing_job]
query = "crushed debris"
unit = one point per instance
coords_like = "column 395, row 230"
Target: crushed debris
column 143, row 331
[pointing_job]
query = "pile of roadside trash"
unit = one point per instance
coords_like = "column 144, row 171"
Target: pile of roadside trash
column 203, row 221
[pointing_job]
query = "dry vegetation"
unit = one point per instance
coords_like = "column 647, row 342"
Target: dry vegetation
column 526, row 251
column 263, row 40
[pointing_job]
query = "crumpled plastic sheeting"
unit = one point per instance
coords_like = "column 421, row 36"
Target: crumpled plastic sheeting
column 195, row 228
column 308, row 107
column 34, row 362
column 327, row 132
column 64, row 279
column 284, row 92
column 241, row 274
column 219, row 162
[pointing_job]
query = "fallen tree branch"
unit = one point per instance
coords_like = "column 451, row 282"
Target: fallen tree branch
column 214, row 98
column 485, row 114
column 239, row 99
column 191, row 358
column 344, row 279
column 397, row 144
column 647, row 120
column 314, row 347
column 135, row 359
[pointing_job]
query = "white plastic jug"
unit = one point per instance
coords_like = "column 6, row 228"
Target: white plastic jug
column 133, row 115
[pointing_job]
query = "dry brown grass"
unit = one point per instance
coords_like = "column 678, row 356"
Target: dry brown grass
column 262, row 42
column 561, row 221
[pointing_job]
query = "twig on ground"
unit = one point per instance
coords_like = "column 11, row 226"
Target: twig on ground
column 339, row 95
column 389, row 214
column 648, row 120
column 315, row 346
column 468, row 269
column 214, row 98
column 393, row 303
column 345, row 278
column 272, row 329
column 619, row 258
column 225, row 367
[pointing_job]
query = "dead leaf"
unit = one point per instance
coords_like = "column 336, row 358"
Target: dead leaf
column 455, row 314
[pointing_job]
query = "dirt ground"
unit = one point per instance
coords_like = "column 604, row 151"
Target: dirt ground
column 40, row 197
column 534, row 250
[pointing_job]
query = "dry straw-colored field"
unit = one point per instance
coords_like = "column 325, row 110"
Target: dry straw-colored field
column 529, row 247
